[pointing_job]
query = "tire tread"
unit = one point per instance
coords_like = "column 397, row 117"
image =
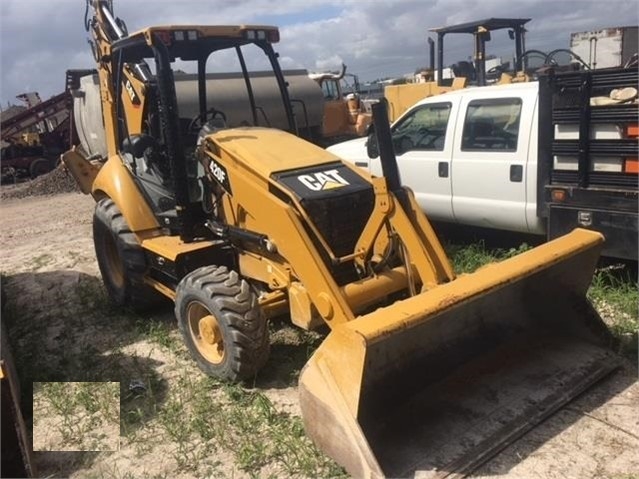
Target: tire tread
column 135, row 294
column 238, row 308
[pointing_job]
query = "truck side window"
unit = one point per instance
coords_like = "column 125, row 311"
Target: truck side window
column 492, row 125
column 422, row 129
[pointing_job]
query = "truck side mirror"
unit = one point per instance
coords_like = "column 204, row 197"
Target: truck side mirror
column 371, row 145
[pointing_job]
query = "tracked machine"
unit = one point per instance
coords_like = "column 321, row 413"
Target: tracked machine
column 421, row 371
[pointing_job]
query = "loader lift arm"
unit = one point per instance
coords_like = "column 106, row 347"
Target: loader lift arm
column 441, row 382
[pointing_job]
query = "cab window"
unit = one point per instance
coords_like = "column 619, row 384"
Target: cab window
column 492, row 125
column 330, row 88
column 422, row 129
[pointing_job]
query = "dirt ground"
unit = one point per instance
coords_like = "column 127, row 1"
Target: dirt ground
column 70, row 416
column 46, row 248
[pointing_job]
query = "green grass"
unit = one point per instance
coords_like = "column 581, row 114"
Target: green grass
column 40, row 261
column 616, row 287
column 203, row 416
column 193, row 416
column 73, row 341
column 467, row 258
column 614, row 290
column 79, row 413
column 200, row 422
column 163, row 333
column 615, row 294
column 139, row 404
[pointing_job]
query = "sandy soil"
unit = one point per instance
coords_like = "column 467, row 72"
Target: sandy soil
column 70, row 416
column 46, row 247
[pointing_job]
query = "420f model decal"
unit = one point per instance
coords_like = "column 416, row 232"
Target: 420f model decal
column 220, row 174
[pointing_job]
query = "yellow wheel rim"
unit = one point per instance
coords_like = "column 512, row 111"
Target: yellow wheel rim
column 205, row 332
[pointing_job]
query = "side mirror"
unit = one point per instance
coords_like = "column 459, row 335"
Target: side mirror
column 372, row 149
column 403, row 145
column 136, row 145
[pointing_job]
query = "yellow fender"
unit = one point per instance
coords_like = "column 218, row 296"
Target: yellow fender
column 115, row 181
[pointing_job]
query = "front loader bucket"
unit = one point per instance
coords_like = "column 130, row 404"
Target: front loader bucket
column 436, row 384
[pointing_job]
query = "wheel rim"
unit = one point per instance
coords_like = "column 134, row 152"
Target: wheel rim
column 205, row 332
column 115, row 266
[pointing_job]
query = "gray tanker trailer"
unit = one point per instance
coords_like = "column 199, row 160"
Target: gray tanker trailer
column 226, row 92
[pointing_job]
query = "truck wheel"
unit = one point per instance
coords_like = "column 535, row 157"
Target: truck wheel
column 39, row 167
column 222, row 324
column 121, row 259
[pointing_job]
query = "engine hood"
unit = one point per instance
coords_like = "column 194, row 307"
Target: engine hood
column 267, row 151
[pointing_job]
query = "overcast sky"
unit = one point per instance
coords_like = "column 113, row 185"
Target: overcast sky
column 40, row 39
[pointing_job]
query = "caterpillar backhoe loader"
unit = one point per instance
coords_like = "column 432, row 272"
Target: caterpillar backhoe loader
column 421, row 371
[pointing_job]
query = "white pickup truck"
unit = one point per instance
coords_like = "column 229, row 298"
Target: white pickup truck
column 515, row 158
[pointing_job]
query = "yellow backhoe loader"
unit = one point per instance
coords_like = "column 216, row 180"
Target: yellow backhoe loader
column 421, row 371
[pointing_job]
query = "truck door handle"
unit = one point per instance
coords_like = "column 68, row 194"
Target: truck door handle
column 516, row 173
column 442, row 169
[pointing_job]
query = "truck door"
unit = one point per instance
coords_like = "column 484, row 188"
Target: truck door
column 489, row 168
column 423, row 141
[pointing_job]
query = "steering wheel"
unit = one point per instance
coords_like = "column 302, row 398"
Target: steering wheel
column 402, row 144
column 428, row 137
column 538, row 55
column 550, row 58
column 509, row 139
column 496, row 72
column 200, row 120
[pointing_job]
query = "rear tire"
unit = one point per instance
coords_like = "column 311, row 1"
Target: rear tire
column 39, row 167
column 222, row 324
column 121, row 259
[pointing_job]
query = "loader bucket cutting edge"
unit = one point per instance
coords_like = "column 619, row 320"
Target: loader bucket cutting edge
column 438, row 383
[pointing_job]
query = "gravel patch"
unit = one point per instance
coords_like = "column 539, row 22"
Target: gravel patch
column 57, row 181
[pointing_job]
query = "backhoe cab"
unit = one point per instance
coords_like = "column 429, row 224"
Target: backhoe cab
column 154, row 116
column 421, row 371
column 464, row 73
column 480, row 30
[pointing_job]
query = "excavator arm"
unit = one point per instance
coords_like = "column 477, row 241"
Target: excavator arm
column 106, row 30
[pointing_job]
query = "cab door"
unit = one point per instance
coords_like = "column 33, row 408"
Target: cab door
column 489, row 169
column 335, row 121
column 423, row 142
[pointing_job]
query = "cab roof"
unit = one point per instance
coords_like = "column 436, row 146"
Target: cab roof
column 488, row 24
column 189, row 41
column 212, row 31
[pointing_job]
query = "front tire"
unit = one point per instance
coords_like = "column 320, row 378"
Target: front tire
column 222, row 324
column 121, row 259
column 39, row 167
